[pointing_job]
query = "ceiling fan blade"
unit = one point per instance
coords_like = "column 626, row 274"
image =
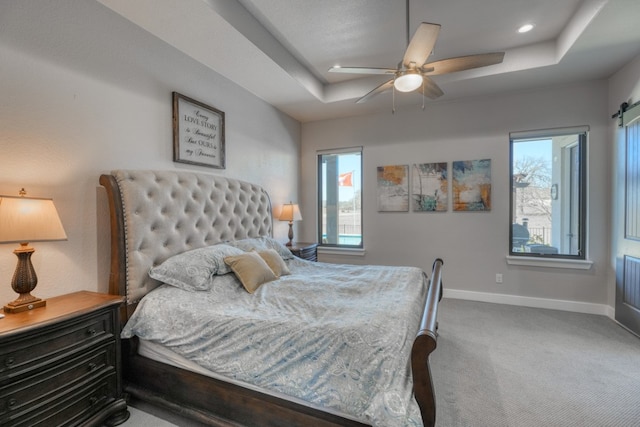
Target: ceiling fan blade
column 430, row 88
column 461, row 63
column 421, row 44
column 383, row 87
column 361, row 70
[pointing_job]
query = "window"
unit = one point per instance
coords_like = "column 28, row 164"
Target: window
column 548, row 193
column 340, row 198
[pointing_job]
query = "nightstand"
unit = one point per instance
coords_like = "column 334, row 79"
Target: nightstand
column 60, row 364
column 308, row 251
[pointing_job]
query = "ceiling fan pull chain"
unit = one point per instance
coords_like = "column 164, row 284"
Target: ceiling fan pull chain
column 422, row 94
column 393, row 100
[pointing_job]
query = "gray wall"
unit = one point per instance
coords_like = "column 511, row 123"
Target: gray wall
column 83, row 92
column 473, row 245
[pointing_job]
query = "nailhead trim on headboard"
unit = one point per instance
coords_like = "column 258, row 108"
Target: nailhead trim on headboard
column 169, row 212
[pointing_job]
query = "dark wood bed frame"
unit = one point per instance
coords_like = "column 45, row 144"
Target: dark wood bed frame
column 218, row 403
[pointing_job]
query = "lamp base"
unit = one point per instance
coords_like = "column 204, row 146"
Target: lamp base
column 290, row 242
column 24, row 303
column 24, row 281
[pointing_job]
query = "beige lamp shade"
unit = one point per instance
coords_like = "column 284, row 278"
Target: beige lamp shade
column 290, row 212
column 27, row 219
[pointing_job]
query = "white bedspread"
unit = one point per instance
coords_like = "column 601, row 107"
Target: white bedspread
column 337, row 336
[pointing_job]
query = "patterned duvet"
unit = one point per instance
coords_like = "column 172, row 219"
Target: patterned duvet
column 338, row 336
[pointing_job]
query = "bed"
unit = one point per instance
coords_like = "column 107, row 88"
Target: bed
column 160, row 217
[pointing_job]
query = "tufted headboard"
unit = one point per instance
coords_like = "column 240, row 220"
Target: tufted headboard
column 157, row 214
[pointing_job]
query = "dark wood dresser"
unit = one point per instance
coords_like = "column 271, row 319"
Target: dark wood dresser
column 60, row 365
column 308, row 251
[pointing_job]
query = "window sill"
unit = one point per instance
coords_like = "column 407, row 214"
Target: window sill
column 550, row 262
column 341, row 251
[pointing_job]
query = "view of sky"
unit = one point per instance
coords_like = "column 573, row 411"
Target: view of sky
column 348, row 163
column 535, row 148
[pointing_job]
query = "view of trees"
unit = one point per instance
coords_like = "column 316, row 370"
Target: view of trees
column 532, row 178
column 532, row 198
column 352, row 203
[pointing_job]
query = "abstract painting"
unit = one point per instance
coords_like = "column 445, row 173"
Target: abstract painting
column 472, row 185
column 429, row 187
column 393, row 188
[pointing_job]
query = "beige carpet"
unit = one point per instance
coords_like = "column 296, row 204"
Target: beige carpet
column 499, row 365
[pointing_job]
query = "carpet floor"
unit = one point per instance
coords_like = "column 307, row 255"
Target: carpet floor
column 500, row 365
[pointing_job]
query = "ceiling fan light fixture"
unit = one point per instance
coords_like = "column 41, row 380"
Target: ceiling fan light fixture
column 408, row 81
column 525, row 28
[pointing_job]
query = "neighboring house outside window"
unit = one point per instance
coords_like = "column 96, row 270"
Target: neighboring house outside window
column 548, row 193
column 340, row 198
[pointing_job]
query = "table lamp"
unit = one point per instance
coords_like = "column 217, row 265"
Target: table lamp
column 290, row 212
column 23, row 220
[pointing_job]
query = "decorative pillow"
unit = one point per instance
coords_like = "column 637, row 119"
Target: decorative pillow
column 194, row 270
column 251, row 270
column 262, row 244
column 275, row 262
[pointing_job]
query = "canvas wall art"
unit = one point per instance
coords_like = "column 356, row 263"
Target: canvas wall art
column 393, row 188
column 472, row 185
column 429, row 187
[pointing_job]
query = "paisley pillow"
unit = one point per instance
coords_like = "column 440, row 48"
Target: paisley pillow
column 194, row 270
column 262, row 244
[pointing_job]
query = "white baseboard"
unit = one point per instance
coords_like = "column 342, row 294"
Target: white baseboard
column 554, row 304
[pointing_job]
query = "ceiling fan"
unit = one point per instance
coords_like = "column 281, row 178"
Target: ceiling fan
column 414, row 72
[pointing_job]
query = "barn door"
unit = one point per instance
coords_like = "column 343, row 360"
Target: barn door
column 627, row 244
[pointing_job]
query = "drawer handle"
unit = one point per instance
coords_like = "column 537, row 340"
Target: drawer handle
column 91, row 332
column 11, row 403
column 9, row 362
column 92, row 366
column 94, row 400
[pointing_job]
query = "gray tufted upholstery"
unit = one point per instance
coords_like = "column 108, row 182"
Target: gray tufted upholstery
column 169, row 212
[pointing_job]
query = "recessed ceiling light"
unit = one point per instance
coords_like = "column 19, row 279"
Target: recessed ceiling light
column 525, row 28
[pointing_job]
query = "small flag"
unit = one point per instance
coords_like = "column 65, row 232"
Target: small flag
column 344, row 179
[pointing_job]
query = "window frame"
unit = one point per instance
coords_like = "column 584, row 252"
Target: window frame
column 319, row 160
column 583, row 138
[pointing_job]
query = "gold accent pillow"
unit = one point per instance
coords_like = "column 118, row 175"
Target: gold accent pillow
column 275, row 262
column 251, row 270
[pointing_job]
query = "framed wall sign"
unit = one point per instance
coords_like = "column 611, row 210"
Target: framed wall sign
column 198, row 133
